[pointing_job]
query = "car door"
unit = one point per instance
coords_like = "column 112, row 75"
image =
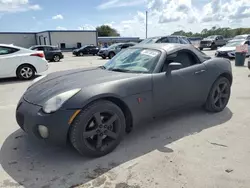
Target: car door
column 8, row 60
column 181, row 87
column 48, row 52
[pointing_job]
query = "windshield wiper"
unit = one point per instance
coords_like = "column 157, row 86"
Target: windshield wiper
column 119, row 70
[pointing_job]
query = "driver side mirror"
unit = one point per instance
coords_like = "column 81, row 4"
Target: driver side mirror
column 173, row 66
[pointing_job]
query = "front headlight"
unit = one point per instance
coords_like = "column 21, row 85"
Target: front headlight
column 54, row 103
column 37, row 79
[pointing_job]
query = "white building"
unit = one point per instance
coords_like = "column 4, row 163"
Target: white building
column 66, row 39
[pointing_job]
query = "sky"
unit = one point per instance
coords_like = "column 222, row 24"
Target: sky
column 127, row 16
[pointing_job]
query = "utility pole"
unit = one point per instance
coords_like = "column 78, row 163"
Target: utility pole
column 146, row 24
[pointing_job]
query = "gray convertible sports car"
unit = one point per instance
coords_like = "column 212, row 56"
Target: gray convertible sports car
column 93, row 108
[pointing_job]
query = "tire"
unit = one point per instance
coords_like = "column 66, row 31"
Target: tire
column 200, row 48
column 111, row 55
column 95, row 117
column 25, row 72
column 56, row 58
column 80, row 54
column 213, row 47
column 219, row 95
column 103, row 57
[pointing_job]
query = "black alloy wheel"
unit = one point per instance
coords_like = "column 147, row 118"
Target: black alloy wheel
column 98, row 129
column 219, row 95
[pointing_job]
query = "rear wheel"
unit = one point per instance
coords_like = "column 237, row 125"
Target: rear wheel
column 219, row 95
column 26, row 72
column 56, row 58
column 98, row 129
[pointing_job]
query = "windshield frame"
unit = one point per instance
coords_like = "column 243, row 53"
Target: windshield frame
column 119, row 69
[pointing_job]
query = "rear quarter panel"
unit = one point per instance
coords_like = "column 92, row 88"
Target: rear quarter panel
column 40, row 64
column 217, row 67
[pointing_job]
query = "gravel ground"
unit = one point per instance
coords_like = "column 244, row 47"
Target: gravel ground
column 188, row 149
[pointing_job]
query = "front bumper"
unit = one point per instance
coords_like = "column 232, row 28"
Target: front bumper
column 228, row 55
column 29, row 116
column 205, row 45
column 102, row 54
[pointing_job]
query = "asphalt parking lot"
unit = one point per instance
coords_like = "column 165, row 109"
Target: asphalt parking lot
column 187, row 149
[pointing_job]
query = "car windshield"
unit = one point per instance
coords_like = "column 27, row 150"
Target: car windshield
column 83, row 47
column 212, row 37
column 114, row 46
column 149, row 40
column 135, row 60
column 234, row 43
column 240, row 37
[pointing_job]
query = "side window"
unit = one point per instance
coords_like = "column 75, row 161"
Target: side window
column 163, row 40
column 247, row 42
column 248, row 38
column 7, row 50
column 40, row 49
column 187, row 59
column 47, row 49
column 173, row 40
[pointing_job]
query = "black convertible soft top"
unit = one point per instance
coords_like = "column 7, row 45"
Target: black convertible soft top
column 171, row 48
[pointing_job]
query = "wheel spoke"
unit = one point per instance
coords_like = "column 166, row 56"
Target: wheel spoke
column 111, row 134
column 97, row 117
column 99, row 141
column 220, row 102
column 88, row 134
column 224, row 87
column 216, row 99
column 218, row 89
column 111, row 120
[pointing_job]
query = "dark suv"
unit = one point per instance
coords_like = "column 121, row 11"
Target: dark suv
column 87, row 49
column 167, row 39
column 52, row 53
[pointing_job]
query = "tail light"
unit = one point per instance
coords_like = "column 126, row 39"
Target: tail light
column 40, row 54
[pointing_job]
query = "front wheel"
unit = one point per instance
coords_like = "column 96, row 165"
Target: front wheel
column 25, row 72
column 80, row 54
column 219, row 95
column 111, row 55
column 213, row 47
column 98, row 129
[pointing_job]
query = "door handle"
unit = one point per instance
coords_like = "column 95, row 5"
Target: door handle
column 200, row 72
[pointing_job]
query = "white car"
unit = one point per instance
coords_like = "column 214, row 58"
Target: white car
column 21, row 62
column 228, row 51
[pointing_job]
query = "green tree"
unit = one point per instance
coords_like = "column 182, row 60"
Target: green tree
column 106, row 31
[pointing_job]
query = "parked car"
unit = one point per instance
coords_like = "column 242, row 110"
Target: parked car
column 95, row 106
column 167, row 39
column 112, row 50
column 52, row 53
column 86, row 50
column 228, row 51
column 243, row 37
column 212, row 42
column 21, row 62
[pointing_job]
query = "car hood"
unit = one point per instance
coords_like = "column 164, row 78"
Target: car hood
column 227, row 49
column 210, row 40
column 60, row 82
